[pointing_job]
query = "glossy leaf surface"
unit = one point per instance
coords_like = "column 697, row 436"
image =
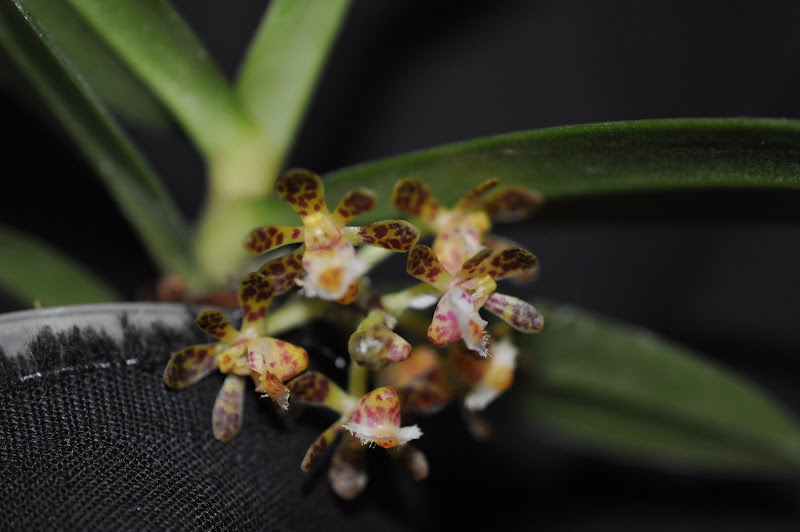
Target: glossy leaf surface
column 604, row 158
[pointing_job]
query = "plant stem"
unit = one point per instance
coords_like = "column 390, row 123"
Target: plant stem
column 397, row 302
column 357, row 380
column 294, row 314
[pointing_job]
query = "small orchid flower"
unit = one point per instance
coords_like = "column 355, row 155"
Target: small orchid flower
column 326, row 264
column 373, row 419
column 421, row 381
column 472, row 288
column 374, row 344
column 460, row 231
column 239, row 353
column 484, row 378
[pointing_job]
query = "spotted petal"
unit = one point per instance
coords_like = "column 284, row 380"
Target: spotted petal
column 190, row 364
column 516, row 312
column 511, row 204
column 255, row 295
column 302, row 190
column 412, row 196
column 455, row 317
column 284, row 270
column 348, row 471
column 314, row 388
column 471, row 265
column 320, row 444
column 394, row 235
column 269, row 237
column 376, row 420
column 217, row 325
column 425, row 266
column 469, row 198
column 509, row 262
column 226, row 419
column 356, row 203
column 276, row 361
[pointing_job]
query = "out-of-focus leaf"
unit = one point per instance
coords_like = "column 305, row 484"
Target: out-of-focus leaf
column 32, row 270
column 98, row 65
column 570, row 161
column 284, row 61
column 127, row 176
column 619, row 389
column 156, row 43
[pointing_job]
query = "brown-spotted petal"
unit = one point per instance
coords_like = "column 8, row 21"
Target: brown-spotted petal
column 282, row 359
column 190, row 364
column 394, row 235
column 355, row 203
column 314, row 388
column 320, row 444
column 217, row 325
column 520, row 315
column 348, row 471
column 469, row 198
column 497, row 244
column 511, row 204
column 226, row 418
column 303, row 191
column 425, row 266
column 255, row 295
column 470, row 267
column 509, row 262
column 376, row 420
column 412, row 196
column 269, row 237
column 284, row 270
column 426, row 395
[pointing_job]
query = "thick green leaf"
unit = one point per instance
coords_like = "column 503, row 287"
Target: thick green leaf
column 621, row 390
column 127, row 176
column 158, row 45
column 32, row 271
column 98, row 65
column 284, row 61
column 560, row 162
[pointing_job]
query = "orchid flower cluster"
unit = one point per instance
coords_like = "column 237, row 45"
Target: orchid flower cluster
column 458, row 273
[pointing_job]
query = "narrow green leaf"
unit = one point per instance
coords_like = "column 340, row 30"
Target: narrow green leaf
column 157, row 44
column 284, row 62
column 31, row 270
column 101, row 69
column 560, row 162
column 127, row 176
column 621, row 390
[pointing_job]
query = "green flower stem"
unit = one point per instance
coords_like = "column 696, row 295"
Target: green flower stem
column 396, row 303
column 294, row 314
column 357, row 380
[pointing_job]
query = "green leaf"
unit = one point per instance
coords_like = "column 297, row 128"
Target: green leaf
column 284, row 62
column 31, row 270
column 157, row 44
column 621, row 390
column 101, row 69
column 127, row 176
column 569, row 161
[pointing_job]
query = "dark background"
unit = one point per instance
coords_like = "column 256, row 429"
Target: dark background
column 406, row 75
